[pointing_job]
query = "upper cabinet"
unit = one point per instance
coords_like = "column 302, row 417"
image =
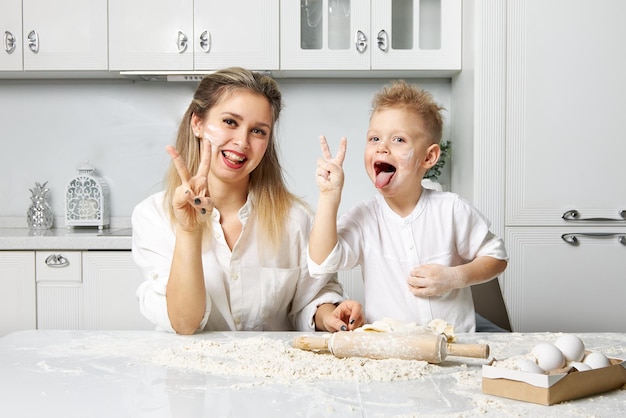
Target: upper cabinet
column 342, row 35
column 312, row 38
column 41, row 35
column 11, row 31
column 193, row 36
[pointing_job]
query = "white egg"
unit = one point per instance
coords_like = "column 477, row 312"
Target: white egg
column 580, row 366
column 548, row 356
column 571, row 346
column 529, row 366
column 596, row 360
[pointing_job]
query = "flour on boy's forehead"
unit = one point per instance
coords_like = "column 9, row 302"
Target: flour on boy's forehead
column 215, row 135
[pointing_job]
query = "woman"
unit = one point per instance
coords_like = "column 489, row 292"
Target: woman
column 224, row 246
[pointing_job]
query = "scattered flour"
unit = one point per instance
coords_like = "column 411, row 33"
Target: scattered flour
column 265, row 357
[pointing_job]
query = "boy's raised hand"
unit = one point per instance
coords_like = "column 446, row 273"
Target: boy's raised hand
column 329, row 173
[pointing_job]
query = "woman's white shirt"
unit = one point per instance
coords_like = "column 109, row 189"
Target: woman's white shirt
column 248, row 288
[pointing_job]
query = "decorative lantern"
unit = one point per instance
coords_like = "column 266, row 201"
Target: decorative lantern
column 87, row 199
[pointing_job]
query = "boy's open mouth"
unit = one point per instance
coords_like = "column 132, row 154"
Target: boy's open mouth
column 384, row 173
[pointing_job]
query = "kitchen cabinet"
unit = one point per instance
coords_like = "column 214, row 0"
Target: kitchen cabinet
column 11, row 31
column 88, row 290
column 43, row 36
column 17, row 291
column 371, row 35
column 190, row 35
column 558, row 287
column 565, row 152
column 554, row 187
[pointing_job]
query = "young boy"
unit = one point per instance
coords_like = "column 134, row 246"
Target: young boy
column 419, row 249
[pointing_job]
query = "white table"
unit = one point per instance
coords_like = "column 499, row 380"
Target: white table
column 109, row 374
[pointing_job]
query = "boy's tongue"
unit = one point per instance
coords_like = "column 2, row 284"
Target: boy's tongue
column 383, row 178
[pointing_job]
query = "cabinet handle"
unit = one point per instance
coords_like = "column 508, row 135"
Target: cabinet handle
column 205, row 41
column 181, row 42
column 361, row 41
column 572, row 215
column 573, row 240
column 383, row 41
column 57, row 260
column 33, row 41
column 9, row 42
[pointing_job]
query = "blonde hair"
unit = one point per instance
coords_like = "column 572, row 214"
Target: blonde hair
column 401, row 94
column 270, row 198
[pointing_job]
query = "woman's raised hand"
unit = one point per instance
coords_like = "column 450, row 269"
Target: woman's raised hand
column 191, row 201
column 329, row 173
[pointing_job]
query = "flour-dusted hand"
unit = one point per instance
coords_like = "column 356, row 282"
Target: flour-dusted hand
column 329, row 173
column 191, row 201
column 433, row 280
column 347, row 316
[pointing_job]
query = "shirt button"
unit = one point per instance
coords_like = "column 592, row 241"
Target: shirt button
column 234, row 276
column 218, row 236
column 237, row 321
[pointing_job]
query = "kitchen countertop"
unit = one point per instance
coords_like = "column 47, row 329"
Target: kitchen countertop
column 116, row 374
column 79, row 238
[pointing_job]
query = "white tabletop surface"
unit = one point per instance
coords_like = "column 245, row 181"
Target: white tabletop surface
column 113, row 374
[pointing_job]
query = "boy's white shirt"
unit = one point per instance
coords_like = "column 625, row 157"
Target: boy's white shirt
column 442, row 229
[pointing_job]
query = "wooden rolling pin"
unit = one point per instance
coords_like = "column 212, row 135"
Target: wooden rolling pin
column 432, row 348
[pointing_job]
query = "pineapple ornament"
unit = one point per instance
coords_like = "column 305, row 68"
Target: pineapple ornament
column 39, row 215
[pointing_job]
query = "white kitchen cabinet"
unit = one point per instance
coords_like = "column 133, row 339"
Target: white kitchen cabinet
column 554, row 92
column 64, row 35
column 565, row 152
column 17, row 291
column 11, row 32
column 554, row 286
column 88, row 290
column 190, row 35
column 344, row 35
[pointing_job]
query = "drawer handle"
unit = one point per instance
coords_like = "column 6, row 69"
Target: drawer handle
column 57, row 260
column 573, row 215
column 573, row 240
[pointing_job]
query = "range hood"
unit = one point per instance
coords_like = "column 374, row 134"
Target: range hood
column 173, row 76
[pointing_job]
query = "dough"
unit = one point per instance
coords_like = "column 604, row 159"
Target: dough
column 436, row 326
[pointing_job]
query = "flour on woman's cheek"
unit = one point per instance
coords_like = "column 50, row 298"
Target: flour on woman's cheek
column 215, row 136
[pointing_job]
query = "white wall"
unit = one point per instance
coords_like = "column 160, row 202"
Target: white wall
column 48, row 127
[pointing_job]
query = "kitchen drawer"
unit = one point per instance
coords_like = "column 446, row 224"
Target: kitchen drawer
column 58, row 266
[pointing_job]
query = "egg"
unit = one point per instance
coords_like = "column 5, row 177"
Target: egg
column 548, row 356
column 571, row 346
column 596, row 360
column 580, row 366
column 529, row 366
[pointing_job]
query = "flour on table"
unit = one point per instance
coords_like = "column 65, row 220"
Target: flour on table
column 270, row 358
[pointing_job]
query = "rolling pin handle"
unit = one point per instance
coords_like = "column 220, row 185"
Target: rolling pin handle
column 310, row 343
column 468, row 350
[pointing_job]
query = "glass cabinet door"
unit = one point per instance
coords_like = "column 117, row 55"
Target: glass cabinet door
column 416, row 34
column 325, row 34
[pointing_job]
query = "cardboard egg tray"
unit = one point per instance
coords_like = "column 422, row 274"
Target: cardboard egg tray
column 550, row 389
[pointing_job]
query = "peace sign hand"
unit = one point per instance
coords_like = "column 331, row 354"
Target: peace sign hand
column 329, row 174
column 191, row 201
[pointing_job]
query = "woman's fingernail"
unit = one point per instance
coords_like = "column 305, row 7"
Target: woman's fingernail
column 203, row 211
column 352, row 321
column 344, row 328
column 187, row 191
column 196, row 201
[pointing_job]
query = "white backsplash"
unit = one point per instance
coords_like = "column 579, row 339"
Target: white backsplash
column 48, row 127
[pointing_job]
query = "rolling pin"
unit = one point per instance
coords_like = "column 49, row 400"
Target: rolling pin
column 433, row 348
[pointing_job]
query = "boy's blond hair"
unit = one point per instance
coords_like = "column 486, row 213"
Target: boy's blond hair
column 401, row 94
